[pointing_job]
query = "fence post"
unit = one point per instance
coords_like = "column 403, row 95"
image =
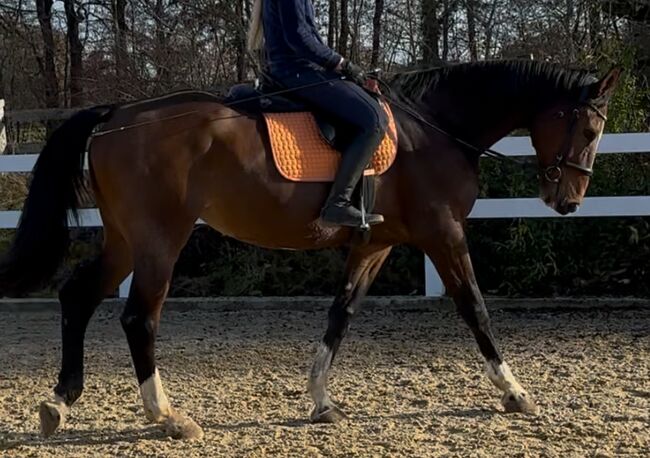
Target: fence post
column 125, row 286
column 3, row 132
column 433, row 286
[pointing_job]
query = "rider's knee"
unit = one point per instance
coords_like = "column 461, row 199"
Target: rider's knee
column 382, row 121
column 375, row 124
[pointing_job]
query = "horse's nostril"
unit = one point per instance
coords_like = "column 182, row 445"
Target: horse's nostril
column 572, row 207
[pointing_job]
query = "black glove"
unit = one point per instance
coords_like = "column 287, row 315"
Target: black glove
column 353, row 72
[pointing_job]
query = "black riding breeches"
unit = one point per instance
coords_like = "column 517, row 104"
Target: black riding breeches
column 346, row 104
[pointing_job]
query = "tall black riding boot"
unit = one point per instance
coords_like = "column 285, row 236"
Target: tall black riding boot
column 339, row 209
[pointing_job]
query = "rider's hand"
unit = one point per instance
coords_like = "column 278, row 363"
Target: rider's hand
column 372, row 85
column 353, row 72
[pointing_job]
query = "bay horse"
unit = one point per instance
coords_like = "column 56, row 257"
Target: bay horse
column 188, row 156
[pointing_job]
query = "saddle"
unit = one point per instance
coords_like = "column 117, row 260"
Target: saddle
column 306, row 145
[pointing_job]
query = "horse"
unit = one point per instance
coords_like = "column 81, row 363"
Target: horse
column 164, row 163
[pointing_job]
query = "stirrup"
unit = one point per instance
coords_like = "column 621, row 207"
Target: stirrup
column 365, row 227
column 349, row 216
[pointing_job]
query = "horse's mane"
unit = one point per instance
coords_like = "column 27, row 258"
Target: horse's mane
column 507, row 76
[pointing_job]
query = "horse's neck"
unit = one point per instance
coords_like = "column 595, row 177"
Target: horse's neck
column 482, row 120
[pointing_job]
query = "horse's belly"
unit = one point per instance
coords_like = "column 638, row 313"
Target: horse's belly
column 273, row 215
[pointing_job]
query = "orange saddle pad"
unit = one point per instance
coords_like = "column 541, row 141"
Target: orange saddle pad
column 301, row 154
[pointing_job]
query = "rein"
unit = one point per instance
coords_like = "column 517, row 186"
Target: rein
column 489, row 152
column 415, row 114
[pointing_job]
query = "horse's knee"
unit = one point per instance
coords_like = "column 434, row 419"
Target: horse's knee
column 137, row 324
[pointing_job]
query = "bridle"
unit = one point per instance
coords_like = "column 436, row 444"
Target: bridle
column 553, row 173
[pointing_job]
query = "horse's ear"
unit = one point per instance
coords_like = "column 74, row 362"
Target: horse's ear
column 605, row 86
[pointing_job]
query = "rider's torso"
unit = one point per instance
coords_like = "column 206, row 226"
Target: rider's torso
column 284, row 52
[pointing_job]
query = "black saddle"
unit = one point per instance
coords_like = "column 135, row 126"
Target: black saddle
column 258, row 100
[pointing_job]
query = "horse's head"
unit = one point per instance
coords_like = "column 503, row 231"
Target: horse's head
column 566, row 136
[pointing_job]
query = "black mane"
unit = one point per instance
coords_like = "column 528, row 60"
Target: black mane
column 506, row 76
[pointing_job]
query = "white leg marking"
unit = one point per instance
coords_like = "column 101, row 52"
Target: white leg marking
column 156, row 404
column 502, row 377
column 318, row 377
column 60, row 403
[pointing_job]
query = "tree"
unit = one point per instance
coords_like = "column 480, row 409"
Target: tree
column 376, row 32
column 332, row 24
column 470, row 8
column 75, row 51
column 119, row 36
column 241, row 40
column 46, row 61
column 345, row 29
column 430, row 32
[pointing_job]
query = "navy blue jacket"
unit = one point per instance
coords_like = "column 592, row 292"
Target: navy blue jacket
column 291, row 38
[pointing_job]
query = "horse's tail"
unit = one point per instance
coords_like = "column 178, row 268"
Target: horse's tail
column 42, row 238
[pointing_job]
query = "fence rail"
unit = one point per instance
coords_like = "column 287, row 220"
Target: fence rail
column 484, row 208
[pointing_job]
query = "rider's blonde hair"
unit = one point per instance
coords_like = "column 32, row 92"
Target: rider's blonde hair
column 256, row 29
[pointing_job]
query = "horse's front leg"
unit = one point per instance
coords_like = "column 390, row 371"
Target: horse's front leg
column 449, row 253
column 363, row 265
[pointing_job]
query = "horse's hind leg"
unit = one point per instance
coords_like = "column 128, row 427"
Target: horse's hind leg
column 79, row 299
column 450, row 255
column 363, row 265
column 154, row 263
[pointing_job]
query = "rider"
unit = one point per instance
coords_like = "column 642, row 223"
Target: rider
column 296, row 56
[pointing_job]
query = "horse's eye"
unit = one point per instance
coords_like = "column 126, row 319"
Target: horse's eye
column 590, row 135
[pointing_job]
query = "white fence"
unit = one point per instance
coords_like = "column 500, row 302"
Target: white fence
column 484, row 208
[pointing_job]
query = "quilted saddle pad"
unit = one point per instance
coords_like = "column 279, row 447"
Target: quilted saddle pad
column 301, row 154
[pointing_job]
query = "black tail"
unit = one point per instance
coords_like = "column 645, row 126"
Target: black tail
column 42, row 238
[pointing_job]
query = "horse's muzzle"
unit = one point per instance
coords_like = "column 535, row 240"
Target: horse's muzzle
column 564, row 207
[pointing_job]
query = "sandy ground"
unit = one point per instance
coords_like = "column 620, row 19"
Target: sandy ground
column 411, row 381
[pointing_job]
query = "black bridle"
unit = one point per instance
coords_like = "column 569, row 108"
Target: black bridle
column 553, row 173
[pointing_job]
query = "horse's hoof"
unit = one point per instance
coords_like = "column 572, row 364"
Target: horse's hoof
column 519, row 402
column 179, row 427
column 52, row 416
column 330, row 414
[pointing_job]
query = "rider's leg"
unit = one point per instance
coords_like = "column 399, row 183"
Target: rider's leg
column 347, row 103
column 338, row 208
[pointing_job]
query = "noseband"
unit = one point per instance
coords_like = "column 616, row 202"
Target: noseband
column 553, row 173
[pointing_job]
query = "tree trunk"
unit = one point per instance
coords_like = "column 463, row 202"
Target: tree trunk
column 354, row 50
column 568, row 20
column 489, row 27
column 241, row 40
column 76, row 50
column 46, row 62
column 120, row 31
column 160, row 42
column 595, row 26
column 345, row 29
column 376, row 32
column 430, row 32
column 332, row 24
column 446, row 14
column 470, row 6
